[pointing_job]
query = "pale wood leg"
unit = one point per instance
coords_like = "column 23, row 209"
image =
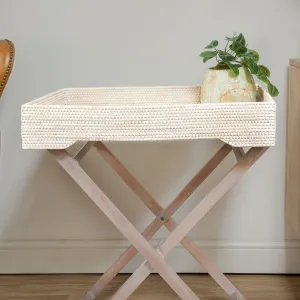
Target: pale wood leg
column 212, row 198
column 83, row 151
column 128, row 178
column 204, row 261
column 239, row 152
column 154, row 258
column 162, row 215
column 183, row 195
column 191, row 220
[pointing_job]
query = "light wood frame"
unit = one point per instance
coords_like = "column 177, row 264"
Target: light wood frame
column 292, row 201
column 154, row 258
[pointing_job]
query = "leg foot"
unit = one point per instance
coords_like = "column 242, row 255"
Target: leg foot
column 237, row 296
column 88, row 296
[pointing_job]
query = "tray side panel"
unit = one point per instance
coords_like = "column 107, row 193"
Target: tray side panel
column 132, row 96
column 238, row 124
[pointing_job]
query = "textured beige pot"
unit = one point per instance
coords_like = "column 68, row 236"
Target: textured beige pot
column 224, row 86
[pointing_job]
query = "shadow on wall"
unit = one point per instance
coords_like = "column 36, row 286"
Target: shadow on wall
column 52, row 207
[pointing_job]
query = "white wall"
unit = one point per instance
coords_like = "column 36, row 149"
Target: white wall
column 46, row 223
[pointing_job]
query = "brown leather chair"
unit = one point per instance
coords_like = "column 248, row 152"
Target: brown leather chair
column 7, row 58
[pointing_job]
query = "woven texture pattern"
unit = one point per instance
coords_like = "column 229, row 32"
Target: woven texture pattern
column 59, row 119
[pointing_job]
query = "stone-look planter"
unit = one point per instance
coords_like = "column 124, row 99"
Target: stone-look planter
column 224, row 86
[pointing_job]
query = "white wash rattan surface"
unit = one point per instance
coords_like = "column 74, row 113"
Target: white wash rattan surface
column 59, row 119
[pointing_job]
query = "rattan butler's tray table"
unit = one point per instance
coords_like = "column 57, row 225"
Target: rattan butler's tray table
column 95, row 115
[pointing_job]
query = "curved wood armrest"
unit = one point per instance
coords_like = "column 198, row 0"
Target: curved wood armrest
column 7, row 58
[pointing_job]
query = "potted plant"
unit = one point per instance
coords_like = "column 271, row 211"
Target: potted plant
column 231, row 79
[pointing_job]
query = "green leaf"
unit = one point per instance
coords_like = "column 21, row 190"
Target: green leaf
column 226, row 56
column 232, row 39
column 209, row 54
column 205, row 59
column 263, row 78
column 238, row 48
column 213, row 44
column 264, row 70
column 244, row 62
column 241, row 51
column 252, row 66
column 241, row 39
column 234, row 68
column 253, row 55
column 273, row 90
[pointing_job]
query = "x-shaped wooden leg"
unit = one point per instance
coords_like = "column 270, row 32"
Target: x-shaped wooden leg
column 190, row 221
column 163, row 216
column 155, row 259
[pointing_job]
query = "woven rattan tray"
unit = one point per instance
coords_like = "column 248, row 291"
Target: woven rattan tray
column 59, row 119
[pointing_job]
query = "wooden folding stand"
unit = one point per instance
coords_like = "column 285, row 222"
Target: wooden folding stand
column 60, row 119
column 155, row 257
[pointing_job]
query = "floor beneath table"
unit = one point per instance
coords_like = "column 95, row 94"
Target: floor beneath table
column 71, row 287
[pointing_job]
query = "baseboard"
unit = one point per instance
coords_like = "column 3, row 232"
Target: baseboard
column 95, row 256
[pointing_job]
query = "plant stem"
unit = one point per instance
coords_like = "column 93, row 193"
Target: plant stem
column 217, row 55
column 226, row 46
